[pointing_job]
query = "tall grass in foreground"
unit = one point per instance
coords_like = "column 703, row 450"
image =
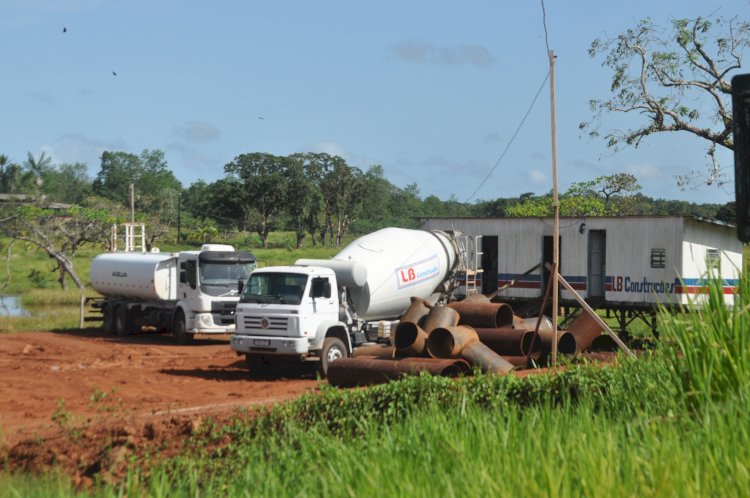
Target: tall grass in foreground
column 710, row 345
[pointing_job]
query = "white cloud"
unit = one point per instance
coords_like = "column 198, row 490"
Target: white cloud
column 493, row 137
column 197, row 131
column 79, row 148
column 538, row 177
column 199, row 164
column 330, row 148
column 418, row 52
column 44, row 98
column 645, row 171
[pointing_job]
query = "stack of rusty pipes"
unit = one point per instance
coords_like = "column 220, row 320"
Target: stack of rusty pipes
column 448, row 340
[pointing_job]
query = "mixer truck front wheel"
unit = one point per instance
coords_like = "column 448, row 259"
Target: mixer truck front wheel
column 333, row 349
column 180, row 330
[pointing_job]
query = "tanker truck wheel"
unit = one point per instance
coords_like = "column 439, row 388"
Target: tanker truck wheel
column 333, row 349
column 121, row 320
column 108, row 326
column 180, row 330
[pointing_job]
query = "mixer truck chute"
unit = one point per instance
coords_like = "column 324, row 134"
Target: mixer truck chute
column 323, row 309
column 187, row 293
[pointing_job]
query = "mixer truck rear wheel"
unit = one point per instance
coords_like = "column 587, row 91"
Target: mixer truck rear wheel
column 180, row 330
column 333, row 349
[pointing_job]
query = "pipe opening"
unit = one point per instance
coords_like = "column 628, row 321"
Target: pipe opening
column 504, row 316
column 406, row 335
column 566, row 343
column 440, row 343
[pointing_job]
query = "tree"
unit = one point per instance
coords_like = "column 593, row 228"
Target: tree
column 155, row 185
column 300, row 191
column 261, row 186
column 60, row 233
column 602, row 196
column 676, row 80
column 67, row 183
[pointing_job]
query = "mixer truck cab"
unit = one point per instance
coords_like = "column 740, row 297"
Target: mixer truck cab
column 324, row 309
column 187, row 293
column 291, row 311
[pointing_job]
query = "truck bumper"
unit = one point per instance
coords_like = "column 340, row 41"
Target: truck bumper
column 282, row 346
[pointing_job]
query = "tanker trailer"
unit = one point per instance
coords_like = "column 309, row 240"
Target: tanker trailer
column 187, row 293
column 324, row 309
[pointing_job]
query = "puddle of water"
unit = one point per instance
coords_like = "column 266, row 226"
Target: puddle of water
column 11, row 306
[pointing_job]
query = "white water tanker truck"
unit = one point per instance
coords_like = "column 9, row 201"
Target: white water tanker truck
column 187, row 293
column 324, row 309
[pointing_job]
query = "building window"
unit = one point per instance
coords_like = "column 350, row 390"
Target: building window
column 658, row 258
column 713, row 259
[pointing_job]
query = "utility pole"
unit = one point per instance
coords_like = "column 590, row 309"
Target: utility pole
column 556, row 212
column 131, row 189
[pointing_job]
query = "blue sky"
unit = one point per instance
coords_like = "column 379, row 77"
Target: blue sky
column 431, row 90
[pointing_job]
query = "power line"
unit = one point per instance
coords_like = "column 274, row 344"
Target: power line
column 544, row 23
column 515, row 134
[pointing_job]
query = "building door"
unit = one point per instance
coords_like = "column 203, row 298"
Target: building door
column 489, row 264
column 597, row 262
column 547, row 257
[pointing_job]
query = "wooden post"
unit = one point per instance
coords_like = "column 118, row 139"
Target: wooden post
column 593, row 314
column 83, row 310
column 555, row 209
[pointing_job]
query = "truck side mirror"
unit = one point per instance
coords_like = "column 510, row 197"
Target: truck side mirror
column 183, row 265
column 321, row 287
column 183, row 275
column 240, row 285
column 741, row 135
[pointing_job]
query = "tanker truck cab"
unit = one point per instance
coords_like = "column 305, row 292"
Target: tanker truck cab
column 209, row 285
column 291, row 311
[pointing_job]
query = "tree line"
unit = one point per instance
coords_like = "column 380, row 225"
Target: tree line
column 313, row 195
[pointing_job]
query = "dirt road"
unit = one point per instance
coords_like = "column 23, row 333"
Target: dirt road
column 50, row 379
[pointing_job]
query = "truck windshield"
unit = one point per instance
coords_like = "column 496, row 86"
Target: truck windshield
column 221, row 278
column 276, row 288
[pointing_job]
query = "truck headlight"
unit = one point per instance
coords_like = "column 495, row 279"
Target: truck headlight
column 205, row 319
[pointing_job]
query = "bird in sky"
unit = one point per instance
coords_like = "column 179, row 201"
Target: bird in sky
column 114, row 73
column 65, row 30
column 261, row 117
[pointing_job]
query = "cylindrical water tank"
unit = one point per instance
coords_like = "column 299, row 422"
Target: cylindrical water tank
column 400, row 263
column 148, row 276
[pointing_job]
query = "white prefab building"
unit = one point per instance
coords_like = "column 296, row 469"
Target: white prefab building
column 630, row 262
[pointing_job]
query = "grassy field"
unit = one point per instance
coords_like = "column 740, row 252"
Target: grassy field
column 672, row 423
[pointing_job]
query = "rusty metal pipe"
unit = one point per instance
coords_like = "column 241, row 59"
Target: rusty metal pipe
column 566, row 342
column 365, row 371
column 508, row 341
column 440, row 316
column 462, row 341
column 409, row 338
column 482, row 313
column 416, row 311
column 603, row 343
column 586, row 330
column 375, row 351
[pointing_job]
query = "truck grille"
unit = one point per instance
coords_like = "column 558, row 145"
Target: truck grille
column 223, row 312
column 271, row 323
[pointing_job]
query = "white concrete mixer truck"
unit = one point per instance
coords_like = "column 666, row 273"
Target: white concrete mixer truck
column 187, row 293
column 323, row 309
